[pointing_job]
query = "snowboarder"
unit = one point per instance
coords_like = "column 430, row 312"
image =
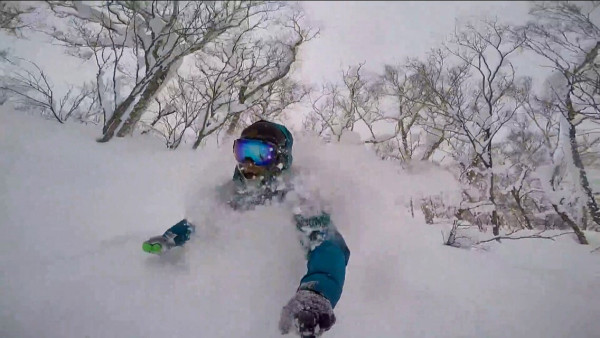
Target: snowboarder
column 262, row 175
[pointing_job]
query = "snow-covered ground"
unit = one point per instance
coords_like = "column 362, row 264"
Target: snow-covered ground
column 74, row 213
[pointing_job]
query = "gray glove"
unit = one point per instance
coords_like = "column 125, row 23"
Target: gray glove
column 311, row 313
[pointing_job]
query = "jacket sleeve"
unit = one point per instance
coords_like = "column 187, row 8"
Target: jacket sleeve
column 328, row 257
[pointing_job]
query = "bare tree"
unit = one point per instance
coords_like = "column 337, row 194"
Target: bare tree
column 187, row 102
column 589, row 147
column 475, row 98
column 439, row 93
column 11, row 16
column 496, row 97
column 232, row 80
column 269, row 64
column 538, row 177
column 566, row 35
column 342, row 107
column 149, row 41
column 526, row 150
column 405, row 92
column 276, row 98
column 325, row 118
column 426, row 94
column 31, row 87
column 417, row 132
column 163, row 109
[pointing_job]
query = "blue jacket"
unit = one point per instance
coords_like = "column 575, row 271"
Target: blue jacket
column 327, row 259
column 326, row 250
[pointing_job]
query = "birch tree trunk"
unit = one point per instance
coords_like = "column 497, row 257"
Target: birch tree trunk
column 583, row 180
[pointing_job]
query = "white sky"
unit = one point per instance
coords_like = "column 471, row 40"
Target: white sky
column 386, row 32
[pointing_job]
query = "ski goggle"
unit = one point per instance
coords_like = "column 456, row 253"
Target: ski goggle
column 261, row 153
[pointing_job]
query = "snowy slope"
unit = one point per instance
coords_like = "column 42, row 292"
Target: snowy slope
column 74, row 213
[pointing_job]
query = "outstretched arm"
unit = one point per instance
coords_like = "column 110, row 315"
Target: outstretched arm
column 196, row 212
column 326, row 267
column 321, row 287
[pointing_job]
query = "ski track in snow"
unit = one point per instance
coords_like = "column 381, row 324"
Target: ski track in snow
column 74, row 213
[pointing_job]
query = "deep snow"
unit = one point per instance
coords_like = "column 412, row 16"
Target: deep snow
column 73, row 215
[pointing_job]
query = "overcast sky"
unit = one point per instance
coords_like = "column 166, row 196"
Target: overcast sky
column 378, row 32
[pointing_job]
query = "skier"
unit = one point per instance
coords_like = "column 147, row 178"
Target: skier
column 263, row 175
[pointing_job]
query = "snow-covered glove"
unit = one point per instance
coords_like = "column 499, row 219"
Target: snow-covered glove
column 310, row 312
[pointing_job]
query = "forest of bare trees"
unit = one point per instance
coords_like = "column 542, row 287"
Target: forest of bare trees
column 186, row 71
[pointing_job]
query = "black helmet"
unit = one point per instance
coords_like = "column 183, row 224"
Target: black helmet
column 273, row 133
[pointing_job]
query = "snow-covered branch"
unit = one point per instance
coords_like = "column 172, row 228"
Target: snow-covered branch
column 31, row 87
column 139, row 46
column 341, row 107
column 11, row 16
column 568, row 37
column 534, row 236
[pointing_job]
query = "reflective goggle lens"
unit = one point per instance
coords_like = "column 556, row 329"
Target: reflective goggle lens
column 261, row 153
